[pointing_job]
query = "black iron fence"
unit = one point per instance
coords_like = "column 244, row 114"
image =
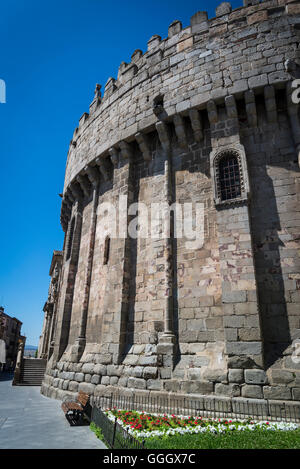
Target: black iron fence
column 206, row 407
column 115, row 436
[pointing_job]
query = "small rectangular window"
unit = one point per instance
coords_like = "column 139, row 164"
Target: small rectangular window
column 106, row 251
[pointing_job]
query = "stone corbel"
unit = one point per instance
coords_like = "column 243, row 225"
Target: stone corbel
column 271, row 106
column 103, row 168
column 126, row 150
column 231, row 107
column 144, row 146
column 93, row 175
column 251, row 108
column 76, row 191
column 114, row 156
column 64, row 206
column 85, row 187
column 65, row 211
column 70, row 196
column 164, row 136
column 197, row 126
column 212, row 112
column 68, row 202
column 180, row 131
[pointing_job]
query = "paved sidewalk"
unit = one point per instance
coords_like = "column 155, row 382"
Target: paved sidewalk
column 29, row 420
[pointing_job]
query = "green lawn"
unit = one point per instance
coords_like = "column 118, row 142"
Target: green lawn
column 238, row 440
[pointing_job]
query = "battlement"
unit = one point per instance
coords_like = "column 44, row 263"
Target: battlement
column 226, row 22
column 231, row 54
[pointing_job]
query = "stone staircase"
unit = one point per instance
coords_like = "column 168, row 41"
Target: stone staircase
column 32, row 372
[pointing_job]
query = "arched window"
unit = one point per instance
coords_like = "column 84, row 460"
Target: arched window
column 70, row 240
column 229, row 177
column 106, row 250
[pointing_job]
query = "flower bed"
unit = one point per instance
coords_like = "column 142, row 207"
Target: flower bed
column 144, row 426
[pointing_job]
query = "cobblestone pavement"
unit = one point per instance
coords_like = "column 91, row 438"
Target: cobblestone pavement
column 29, row 420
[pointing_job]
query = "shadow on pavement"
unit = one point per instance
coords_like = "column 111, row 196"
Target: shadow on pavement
column 6, row 376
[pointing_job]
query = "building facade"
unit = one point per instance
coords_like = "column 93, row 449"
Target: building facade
column 46, row 344
column 207, row 117
column 10, row 333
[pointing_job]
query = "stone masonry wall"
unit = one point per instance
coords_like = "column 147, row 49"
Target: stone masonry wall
column 218, row 84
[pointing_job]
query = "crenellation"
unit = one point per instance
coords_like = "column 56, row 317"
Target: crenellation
column 153, row 42
column 174, row 28
column 136, row 56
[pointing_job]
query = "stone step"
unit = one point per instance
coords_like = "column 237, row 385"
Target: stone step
column 32, row 372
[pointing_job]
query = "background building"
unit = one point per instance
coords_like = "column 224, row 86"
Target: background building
column 10, row 333
column 46, row 343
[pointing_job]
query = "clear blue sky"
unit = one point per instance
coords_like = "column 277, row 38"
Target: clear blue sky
column 52, row 55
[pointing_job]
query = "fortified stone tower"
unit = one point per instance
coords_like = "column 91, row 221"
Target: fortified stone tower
column 205, row 116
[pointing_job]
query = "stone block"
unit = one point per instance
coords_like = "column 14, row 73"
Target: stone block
column 88, row 368
column 99, row 390
column 296, row 394
column 255, row 377
column 150, row 349
column 123, row 382
column 236, row 376
column 136, row 383
column 131, row 360
column 79, row 377
column 114, row 370
column 148, row 361
column 104, row 359
column 174, row 28
column 87, row 388
column 149, row 372
column 105, row 380
column 282, row 377
column 199, row 18
column 244, row 348
column 113, row 381
column 95, row 379
column 136, row 372
column 218, row 376
column 234, row 297
column 223, row 9
column 234, row 321
column 172, row 386
column 229, row 390
column 253, row 392
column 154, row 384
column 73, row 386
column 165, row 373
column 100, row 369
column 241, row 363
column 277, row 393
column 197, row 387
column 258, row 81
column 194, row 374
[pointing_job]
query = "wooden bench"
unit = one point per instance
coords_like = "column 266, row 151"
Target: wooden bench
column 77, row 411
